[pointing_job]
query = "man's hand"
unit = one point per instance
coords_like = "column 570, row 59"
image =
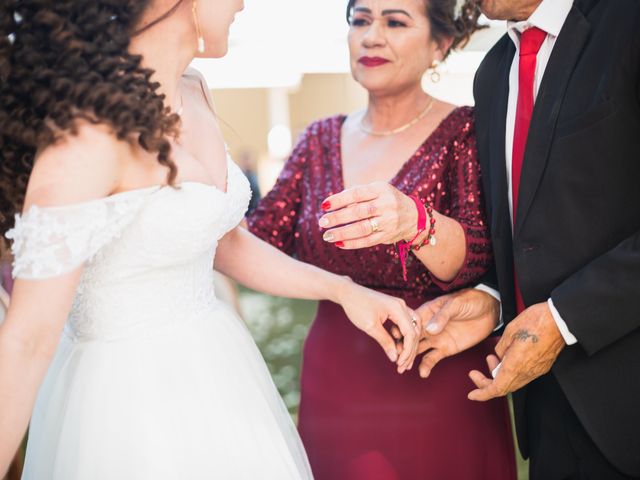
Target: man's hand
column 454, row 323
column 528, row 348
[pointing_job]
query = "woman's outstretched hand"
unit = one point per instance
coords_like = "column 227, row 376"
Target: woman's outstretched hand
column 368, row 215
column 370, row 310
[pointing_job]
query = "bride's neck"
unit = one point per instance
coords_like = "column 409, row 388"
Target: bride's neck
column 166, row 48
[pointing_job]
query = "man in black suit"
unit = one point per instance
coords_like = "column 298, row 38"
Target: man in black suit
column 558, row 125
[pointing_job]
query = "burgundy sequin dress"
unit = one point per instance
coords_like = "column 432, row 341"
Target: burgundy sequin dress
column 359, row 419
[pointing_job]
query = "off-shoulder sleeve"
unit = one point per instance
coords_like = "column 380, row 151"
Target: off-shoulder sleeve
column 51, row 241
column 274, row 219
column 467, row 207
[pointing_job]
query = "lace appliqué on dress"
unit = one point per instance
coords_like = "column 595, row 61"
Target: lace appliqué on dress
column 51, row 241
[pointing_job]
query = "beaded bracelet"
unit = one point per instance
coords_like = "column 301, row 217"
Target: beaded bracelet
column 404, row 247
column 431, row 237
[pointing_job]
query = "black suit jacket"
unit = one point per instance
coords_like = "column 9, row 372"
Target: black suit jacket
column 577, row 237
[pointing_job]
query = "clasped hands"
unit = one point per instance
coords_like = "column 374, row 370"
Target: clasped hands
column 453, row 323
column 369, row 311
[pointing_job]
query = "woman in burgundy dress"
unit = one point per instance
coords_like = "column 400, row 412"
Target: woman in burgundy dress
column 360, row 419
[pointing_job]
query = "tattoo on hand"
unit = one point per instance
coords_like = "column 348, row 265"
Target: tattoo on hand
column 523, row 336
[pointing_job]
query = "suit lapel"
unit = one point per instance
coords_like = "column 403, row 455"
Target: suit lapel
column 498, row 168
column 565, row 54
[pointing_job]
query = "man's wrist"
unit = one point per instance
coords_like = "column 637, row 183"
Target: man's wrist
column 568, row 337
column 495, row 294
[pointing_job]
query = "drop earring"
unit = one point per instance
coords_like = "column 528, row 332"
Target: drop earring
column 194, row 10
column 435, row 74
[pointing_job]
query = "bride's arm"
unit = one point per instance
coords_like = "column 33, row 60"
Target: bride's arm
column 39, row 308
column 258, row 265
column 28, row 340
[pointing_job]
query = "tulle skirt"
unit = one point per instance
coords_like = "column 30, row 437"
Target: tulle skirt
column 190, row 400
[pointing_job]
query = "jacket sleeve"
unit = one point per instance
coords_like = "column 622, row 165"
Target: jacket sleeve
column 599, row 303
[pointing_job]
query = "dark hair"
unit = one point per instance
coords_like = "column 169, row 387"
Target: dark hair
column 65, row 60
column 444, row 22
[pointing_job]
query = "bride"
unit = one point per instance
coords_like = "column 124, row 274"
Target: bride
column 115, row 344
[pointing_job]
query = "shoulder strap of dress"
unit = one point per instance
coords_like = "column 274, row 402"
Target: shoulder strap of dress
column 197, row 76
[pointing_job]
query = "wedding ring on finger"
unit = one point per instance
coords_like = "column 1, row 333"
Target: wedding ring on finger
column 374, row 225
column 414, row 320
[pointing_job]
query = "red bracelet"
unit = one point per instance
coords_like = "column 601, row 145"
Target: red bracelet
column 403, row 246
column 431, row 237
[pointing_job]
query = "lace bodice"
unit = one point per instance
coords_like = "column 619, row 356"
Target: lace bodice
column 147, row 253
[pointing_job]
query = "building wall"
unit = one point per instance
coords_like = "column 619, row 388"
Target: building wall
column 323, row 95
column 244, row 115
column 244, row 119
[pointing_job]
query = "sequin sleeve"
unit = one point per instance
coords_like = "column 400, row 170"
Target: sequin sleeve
column 274, row 219
column 467, row 207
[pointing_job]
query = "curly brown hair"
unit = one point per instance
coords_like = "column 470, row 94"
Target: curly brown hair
column 445, row 21
column 66, row 60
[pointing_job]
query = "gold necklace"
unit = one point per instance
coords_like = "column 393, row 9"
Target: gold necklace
column 402, row 128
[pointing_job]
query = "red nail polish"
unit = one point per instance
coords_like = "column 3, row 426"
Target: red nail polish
column 326, row 206
column 339, row 244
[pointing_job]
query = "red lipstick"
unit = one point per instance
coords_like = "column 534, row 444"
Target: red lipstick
column 372, row 61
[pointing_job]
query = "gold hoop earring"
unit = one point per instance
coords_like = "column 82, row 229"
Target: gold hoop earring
column 194, row 10
column 435, row 74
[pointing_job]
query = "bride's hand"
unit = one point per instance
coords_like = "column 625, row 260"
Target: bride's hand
column 369, row 311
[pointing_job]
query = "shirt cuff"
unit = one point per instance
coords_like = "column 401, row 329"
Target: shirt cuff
column 495, row 294
column 569, row 338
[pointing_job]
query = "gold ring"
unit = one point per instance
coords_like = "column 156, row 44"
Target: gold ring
column 374, row 225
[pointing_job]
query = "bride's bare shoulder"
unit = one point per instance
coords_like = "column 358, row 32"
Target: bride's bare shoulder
column 79, row 166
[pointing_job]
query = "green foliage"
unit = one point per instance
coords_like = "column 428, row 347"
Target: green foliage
column 279, row 327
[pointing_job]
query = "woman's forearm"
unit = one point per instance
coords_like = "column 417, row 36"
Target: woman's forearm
column 379, row 213
column 445, row 259
column 258, row 265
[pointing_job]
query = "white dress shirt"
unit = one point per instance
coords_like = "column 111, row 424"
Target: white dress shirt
column 550, row 17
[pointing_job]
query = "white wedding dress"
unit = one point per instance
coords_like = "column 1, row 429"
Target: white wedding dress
column 154, row 378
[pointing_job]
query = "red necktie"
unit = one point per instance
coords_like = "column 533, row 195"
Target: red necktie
column 530, row 43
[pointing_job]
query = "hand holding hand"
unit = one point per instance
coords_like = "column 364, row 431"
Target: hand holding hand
column 369, row 311
column 528, row 348
column 454, row 323
column 369, row 215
